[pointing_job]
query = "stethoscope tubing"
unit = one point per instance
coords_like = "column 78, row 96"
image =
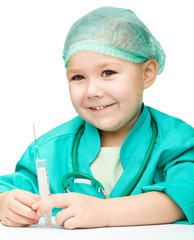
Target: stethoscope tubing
column 75, row 148
column 145, row 162
column 78, row 174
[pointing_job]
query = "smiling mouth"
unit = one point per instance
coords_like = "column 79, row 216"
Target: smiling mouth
column 100, row 107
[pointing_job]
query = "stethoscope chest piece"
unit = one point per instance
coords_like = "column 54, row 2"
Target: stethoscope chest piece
column 83, row 183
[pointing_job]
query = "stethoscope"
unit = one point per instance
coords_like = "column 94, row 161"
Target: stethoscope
column 83, row 178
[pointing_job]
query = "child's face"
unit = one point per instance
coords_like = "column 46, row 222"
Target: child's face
column 105, row 91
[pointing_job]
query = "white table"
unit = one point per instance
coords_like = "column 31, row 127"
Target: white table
column 156, row 232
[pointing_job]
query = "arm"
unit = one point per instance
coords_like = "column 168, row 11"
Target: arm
column 82, row 211
column 143, row 209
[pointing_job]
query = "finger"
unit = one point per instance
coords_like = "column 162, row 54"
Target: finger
column 26, row 197
column 16, row 218
column 70, row 223
column 64, row 215
column 22, row 209
column 8, row 222
column 56, row 200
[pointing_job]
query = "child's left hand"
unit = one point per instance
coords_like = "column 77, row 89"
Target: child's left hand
column 80, row 211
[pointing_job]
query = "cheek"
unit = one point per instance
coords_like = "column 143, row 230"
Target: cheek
column 128, row 92
column 75, row 96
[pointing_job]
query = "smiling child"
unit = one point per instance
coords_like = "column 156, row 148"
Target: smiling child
column 111, row 58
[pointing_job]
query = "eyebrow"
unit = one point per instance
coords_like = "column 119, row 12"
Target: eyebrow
column 101, row 65
column 108, row 63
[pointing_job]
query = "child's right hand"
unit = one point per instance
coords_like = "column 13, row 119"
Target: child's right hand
column 15, row 208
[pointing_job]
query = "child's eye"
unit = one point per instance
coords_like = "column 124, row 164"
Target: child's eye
column 108, row 73
column 77, row 77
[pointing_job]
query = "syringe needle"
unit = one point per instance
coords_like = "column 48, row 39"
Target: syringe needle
column 34, row 133
column 36, row 147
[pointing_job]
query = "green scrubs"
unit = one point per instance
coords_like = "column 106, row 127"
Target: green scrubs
column 170, row 169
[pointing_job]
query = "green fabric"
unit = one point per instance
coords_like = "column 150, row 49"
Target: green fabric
column 107, row 167
column 170, row 169
column 115, row 32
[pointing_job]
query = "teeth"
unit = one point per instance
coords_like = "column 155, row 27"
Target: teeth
column 100, row 107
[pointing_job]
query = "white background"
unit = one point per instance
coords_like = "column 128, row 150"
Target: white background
column 159, row 232
column 33, row 85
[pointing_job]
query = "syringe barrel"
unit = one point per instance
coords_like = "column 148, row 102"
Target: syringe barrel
column 48, row 218
column 42, row 174
column 43, row 184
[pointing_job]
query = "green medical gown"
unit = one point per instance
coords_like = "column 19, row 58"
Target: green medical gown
column 170, row 169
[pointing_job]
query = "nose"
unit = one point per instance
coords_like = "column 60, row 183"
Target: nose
column 94, row 89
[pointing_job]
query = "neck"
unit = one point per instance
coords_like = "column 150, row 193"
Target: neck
column 117, row 137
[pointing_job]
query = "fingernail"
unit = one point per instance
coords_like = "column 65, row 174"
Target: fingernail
column 34, row 205
column 36, row 221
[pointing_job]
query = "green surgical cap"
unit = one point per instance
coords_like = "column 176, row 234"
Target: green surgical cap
column 115, row 32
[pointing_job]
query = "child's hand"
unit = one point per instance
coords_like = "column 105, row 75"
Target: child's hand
column 15, row 208
column 80, row 211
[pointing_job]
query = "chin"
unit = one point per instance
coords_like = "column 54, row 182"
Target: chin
column 107, row 127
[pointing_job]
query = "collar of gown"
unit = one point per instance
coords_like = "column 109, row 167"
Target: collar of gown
column 138, row 135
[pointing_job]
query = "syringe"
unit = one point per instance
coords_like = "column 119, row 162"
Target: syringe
column 43, row 181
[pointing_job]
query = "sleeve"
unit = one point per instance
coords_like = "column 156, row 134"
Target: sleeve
column 178, row 182
column 24, row 176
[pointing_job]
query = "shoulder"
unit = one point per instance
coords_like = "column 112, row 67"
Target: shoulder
column 175, row 137
column 53, row 144
column 66, row 129
column 169, row 125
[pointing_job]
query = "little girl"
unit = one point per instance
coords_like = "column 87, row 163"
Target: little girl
column 119, row 162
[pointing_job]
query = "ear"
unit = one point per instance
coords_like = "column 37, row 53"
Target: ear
column 150, row 70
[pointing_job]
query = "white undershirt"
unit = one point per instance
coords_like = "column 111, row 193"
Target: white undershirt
column 107, row 168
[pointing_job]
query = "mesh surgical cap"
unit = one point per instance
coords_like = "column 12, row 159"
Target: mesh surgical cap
column 115, row 32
